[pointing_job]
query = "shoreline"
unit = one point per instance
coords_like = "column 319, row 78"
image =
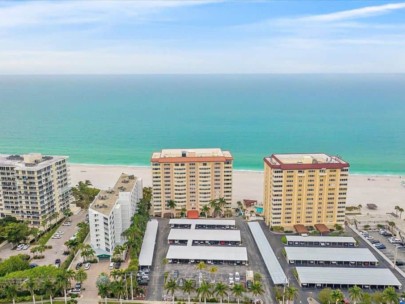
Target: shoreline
column 374, row 174
column 386, row 191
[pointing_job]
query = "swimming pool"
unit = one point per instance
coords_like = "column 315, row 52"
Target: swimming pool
column 259, row 209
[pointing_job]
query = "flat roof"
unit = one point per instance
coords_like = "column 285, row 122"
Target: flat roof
column 209, row 253
column 184, row 221
column 330, row 254
column 321, row 239
column 191, row 155
column 204, row 235
column 30, row 162
column 148, row 244
column 305, row 161
column 347, row 276
column 106, row 199
column 270, row 260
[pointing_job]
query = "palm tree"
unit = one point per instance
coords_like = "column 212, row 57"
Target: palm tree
column 104, row 285
column 396, row 208
column 400, row 210
column 201, row 266
column 221, row 203
column 390, row 295
column 31, row 285
column 336, row 295
column 221, row 290
column 213, row 270
column 183, row 212
column 290, row 293
column 278, row 293
column 188, row 288
column 171, row 287
column 118, row 289
column 11, row 291
column 87, row 251
column 237, row 291
column 63, row 281
column 116, row 274
column 81, row 275
column 119, row 250
column 257, row 289
column 206, row 210
column 204, row 291
column 171, row 204
column 49, row 288
column 355, row 293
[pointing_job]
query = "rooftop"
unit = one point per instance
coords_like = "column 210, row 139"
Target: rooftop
column 330, row 254
column 202, row 222
column 148, row 244
column 178, row 155
column 347, row 276
column 31, row 161
column 305, row 161
column 204, row 235
column 208, row 253
column 106, row 199
column 330, row 239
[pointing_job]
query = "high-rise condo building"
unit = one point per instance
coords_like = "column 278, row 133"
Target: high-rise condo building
column 190, row 177
column 33, row 187
column 111, row 212
column 304, row 189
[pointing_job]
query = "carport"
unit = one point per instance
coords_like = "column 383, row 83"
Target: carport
column 321, row 241
column 366, row 278
column 148, row 245
column 204, row 237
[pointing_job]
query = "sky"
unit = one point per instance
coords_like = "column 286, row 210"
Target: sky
column 201, row 36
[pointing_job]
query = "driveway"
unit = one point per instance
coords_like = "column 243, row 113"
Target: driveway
column 57, row 244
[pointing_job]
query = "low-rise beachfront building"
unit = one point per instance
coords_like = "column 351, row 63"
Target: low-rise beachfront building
column 191, row 178
column 34, row 187
column 111, row 212
column 304, row 189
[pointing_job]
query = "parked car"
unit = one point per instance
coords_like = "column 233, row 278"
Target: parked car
column 175, row 274
column 87, row 266
column 33, row 265
column 111, row 265
column 394, row 240
column 79, row 265
column 20, row 247
column 56, row 236
column 399, row 263
column 25, row 247
column 249, row 284
column 117, row 265
column 374, row 241
column 57, row 262
column 237, row 277
column 369, row 237
column 380, row 246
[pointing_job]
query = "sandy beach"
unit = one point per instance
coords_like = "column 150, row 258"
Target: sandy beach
column 384, row 191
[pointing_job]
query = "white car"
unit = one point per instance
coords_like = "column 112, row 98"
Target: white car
column 237, row 277
column 60, row 232
column 20, row 247
column 56, row 236
column 25, row 247
column 87, row 266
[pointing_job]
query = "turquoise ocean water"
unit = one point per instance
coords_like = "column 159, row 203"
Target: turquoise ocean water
column 123, row 119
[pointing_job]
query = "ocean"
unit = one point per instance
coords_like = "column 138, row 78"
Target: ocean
column 123, row 119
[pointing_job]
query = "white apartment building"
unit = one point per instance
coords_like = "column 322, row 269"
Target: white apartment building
column 111, row 212
column 33, row 186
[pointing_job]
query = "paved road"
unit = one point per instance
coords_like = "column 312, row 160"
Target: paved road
column 57, row 244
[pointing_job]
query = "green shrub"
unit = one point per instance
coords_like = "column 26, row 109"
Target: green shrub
column 13, row 263
column 284, row 239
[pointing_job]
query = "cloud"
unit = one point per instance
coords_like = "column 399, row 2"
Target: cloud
column 363, row 12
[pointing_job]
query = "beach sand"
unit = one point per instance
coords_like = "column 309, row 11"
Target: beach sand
column 384, row 191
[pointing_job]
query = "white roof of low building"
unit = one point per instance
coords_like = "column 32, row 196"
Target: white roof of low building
column 349, row 276
column 201, row 222
column 330, row 254
column 204, row 235
column 324, row 239
column 270, row 260
column 209, row 253
column 148, row 244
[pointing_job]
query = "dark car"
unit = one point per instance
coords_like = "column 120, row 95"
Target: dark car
column 249, row 284
column 117, row 265
column 57, row 261
column 33, row 265
column 78, row 286
column 175, row 274
column 380, row 246
column 79, row 265
column 399, row 263
column 374, row 241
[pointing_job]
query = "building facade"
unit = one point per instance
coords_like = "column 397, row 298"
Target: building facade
column 33, row 187
column 190, row 177
column 304, row 189
column 111, row 212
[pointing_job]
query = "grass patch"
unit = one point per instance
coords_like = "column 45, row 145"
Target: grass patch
column 47, row 235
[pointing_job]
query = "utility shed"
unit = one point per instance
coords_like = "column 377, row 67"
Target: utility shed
column 346, row 277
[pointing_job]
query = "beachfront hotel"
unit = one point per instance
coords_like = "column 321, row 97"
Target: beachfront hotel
column 111, row 212
column 33, row 187
column 190, row 177
column 302, row 190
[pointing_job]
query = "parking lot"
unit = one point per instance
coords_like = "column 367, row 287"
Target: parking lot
column 155, row 290
column 57, row 244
